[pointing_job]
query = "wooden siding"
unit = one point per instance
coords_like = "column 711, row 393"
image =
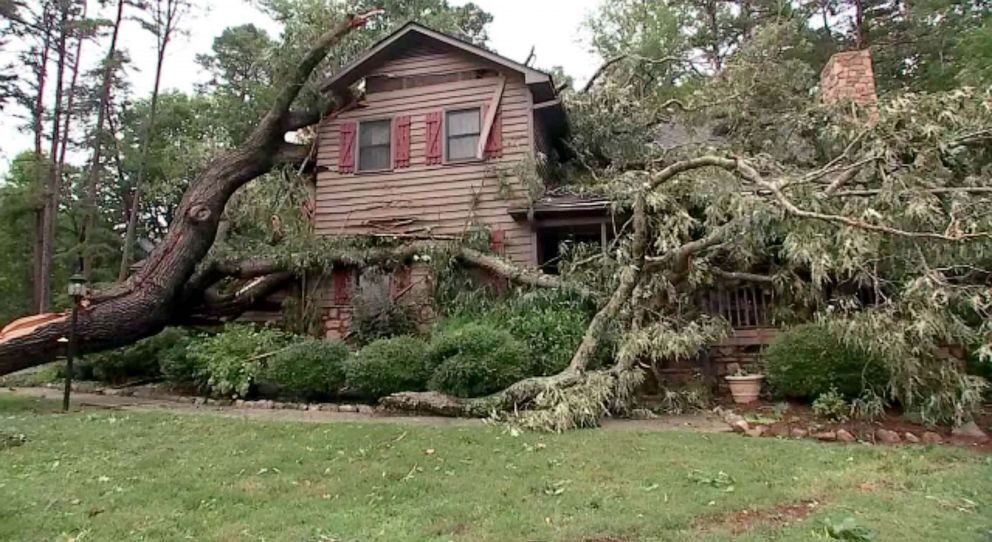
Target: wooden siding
column 441, row 199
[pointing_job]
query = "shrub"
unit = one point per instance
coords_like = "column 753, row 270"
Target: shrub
column 475, row 360
column 178, row 367
column 807, row 361
column 376, row 314
column 551, row 326
column 869, row 407
column 550, row 323
column 230, row 360
column 137, row 361
column 309, row 369
column 388, row 366
column 831, row 406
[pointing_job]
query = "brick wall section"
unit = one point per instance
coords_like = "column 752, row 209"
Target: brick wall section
column 849, row 76
column 337, row 320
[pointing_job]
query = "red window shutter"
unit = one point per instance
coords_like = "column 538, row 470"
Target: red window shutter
column 494, row 145
column 497, row 241
column 346, row 147
column 342, row 286
column 433, row 144
column 401, row 140
column 401, row 280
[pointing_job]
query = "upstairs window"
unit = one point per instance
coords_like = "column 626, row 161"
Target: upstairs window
column 462, row 129
column 373, row 145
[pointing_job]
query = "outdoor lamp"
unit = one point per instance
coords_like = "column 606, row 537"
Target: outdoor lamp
column 77, row 286
column 77, row 289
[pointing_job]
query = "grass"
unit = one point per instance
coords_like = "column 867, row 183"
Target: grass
column 127, row 475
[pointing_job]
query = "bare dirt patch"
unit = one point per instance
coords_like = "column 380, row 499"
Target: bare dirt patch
column 749, row 518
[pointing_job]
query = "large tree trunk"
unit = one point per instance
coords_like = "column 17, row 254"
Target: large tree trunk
column 155, row 295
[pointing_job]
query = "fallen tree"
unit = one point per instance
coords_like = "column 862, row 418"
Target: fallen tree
column 160, row 293
column 892, row 220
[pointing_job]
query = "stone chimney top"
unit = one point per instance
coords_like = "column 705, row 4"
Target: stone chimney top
column 849, row 76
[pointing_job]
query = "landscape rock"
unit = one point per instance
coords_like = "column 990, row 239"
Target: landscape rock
column 970, row 430
column 826, row 436
column 240, row 403
column 199, row 401
column 366, row 409
column 910, row 438
column 313, row 407
column 887, row 436
column 932, row 438
column 224, row 402
column 844, row 436
column 741, row 426
column 756, row 431
column 347, row 408
column 798, row 432
column 329, row 407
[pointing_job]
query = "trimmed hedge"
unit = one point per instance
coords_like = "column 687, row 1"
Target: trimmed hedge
column 388, row 366
column 310, row 369
column 807, row 361
column 475, row 360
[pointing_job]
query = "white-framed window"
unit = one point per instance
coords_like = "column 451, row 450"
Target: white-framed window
column 374, row 152
column 462, row 128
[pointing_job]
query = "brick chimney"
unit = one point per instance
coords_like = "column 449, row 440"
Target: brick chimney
column 849, row 76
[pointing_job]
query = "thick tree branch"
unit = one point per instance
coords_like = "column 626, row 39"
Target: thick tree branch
column 520, row 275
column 740, row 276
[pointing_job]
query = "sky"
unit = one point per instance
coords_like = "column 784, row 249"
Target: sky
column 552, row 27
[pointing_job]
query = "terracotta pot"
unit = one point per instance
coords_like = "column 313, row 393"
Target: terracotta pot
column 745, row 389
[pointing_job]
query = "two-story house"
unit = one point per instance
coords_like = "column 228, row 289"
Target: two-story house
column 434, row 147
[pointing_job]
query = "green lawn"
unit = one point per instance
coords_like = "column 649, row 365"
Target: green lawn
column 112, row 475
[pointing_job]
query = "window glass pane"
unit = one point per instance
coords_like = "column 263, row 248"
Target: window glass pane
column 374, row 133
column 462, row 147
column 373, row 145
column 463, row 122
column 370, row 158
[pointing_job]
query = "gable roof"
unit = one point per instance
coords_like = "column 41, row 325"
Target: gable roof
column 412, row 34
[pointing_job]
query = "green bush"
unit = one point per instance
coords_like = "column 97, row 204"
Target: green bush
column 807, row 361
column 831, row 406
column 179, row 367
column 475, row 360
column 140, row 360
column 309, row 369
column 231, row 359
column 388, row 366
column 551, row 324
column 377, row 315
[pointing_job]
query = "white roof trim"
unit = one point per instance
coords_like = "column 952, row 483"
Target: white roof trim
column 531, row 76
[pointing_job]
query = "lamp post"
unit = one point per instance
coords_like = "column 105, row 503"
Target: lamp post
column 77, row 289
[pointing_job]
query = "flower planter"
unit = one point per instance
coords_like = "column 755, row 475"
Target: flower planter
column 745, row 389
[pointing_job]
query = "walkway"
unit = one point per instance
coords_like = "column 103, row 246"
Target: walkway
column 706, row 423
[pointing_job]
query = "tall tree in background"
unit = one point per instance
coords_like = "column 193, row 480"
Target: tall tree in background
column 162, row 23
column 93, row 174
column 33, row 98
